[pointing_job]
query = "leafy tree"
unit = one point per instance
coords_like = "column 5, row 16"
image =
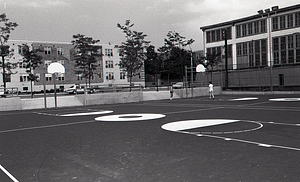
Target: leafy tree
column 153, row 63
column 5, row 29
column 210, row 61
column 32, row 60
column 132, row 51
column 86, row 56
column 174, row 55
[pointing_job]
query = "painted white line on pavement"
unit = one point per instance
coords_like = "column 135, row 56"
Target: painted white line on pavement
column 49, row 126
column 87, row 113
column 8, row 174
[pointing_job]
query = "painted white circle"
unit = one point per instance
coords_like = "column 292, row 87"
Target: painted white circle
column 285, row 99
column 180, row 126
column 246, row 98
column 130, row 117
column 87, row 113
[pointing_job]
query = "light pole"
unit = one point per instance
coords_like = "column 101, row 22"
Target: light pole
column 268, row 13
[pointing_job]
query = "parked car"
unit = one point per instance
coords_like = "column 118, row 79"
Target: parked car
column 2, row 93
column 75, row 89
column 178, row 85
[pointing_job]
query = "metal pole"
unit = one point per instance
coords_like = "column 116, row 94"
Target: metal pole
column 45, row 97
column 226, row 60
column 270, row 49
column 186, row 87
column 55, row 98
column 192, row 75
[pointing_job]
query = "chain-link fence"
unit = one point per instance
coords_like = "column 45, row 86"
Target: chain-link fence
column 284, row 77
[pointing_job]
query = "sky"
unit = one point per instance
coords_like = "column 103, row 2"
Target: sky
column 59, row 20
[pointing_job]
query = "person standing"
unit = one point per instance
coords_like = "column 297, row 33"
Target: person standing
column 171, row 93
column 211, row 90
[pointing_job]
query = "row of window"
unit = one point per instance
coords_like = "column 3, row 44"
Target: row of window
column 251, row 28
column 60, row 51
column 286, row 49
column 48, row 50
column 257, row 27
column 221, row 50
column 252, row 53
column 218, row 35
column 286, row 21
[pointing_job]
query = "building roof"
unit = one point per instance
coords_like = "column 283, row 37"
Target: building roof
column 256, row 16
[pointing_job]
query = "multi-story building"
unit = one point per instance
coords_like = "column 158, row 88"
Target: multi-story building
column 107, row 72
column 263, row 50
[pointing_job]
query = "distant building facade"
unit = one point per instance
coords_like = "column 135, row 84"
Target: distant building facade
column 107, row 72
column 263, row 50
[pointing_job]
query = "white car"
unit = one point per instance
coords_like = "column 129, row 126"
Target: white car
column 178, row 85
column 75, row 89
column 2, row 94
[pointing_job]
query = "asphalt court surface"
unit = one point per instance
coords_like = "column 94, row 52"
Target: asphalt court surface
column 229, row 138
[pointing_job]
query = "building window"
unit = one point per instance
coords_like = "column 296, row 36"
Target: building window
column 298, row 55
column 48, row 77
column 297, row 40
column 108, row 52
column 291, row 56
column 60, row 51
column 22, row 65
column 109, row 64
column 256, row 27
column 275, row 23
column 7, row 77
column 276, row 58
column 47, row 62
column 213, row 36
column 109, row 75
column 290, row 20
column 250, row 29
column 276, row 44
column 244, row 30
column 290, row 41
column 208, row 37
column 263, row 26
column 47, row 50
column 238, row 31
column 122, row 76
column 282, row 22
column 297, row 19
column 282, row 43
column 245, row 49
column 79, row 76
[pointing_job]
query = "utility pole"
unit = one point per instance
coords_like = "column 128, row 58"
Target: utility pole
column 226, row 59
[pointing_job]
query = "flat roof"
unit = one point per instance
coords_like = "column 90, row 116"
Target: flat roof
column 256, row 16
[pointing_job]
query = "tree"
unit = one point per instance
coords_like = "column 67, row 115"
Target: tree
column 86, row 56
column 174, row 55
column 32, row 61
column 153, row 63
column 210, row 61
column 5, row 29
column 132, row 51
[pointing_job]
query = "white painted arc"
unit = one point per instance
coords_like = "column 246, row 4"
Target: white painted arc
column 130, row 117
column 246, row 98
column 87, row 113
column 190, row 124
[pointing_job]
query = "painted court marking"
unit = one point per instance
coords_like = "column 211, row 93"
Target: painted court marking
column 8, row 174
column 190, row 124
column 285, row 99
column 130, row 117
column 87, row 113
column 179, row 126
column 246, row 98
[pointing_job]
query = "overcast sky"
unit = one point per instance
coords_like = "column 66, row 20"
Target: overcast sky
column 59, row 20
